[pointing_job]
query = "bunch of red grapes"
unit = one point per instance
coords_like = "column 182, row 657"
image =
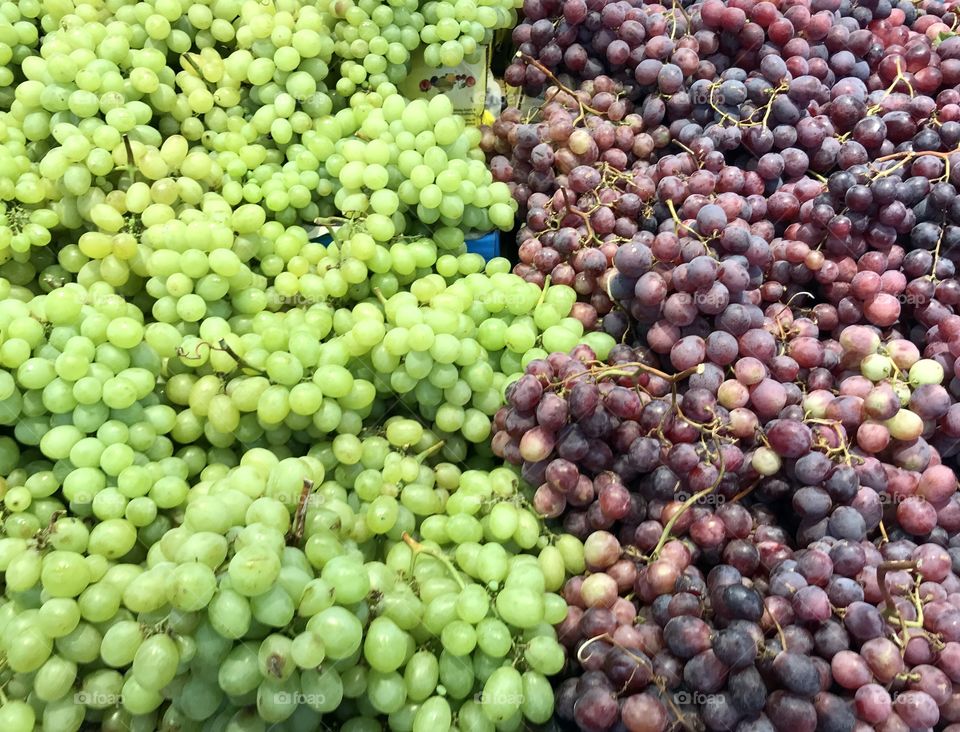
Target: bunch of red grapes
column 759, row 199
column 751, row 106
column 731, row 533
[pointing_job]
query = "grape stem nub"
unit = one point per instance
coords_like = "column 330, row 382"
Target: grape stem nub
column 295, row 534
column 419, row 549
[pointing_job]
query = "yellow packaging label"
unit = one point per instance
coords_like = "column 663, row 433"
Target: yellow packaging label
column 464, row 85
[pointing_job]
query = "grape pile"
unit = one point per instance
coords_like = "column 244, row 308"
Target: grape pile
column 701, row 597
column 275, row 592
column 244, row 472
column 759, row 200
column 726, row 105
column 443, row 351
column 432, row 154
column 692, row 463
column 183, row 157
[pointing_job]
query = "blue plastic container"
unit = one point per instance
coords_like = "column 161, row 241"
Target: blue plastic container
column 487, row 246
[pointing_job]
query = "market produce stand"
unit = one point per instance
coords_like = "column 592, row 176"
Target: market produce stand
column 434, row 366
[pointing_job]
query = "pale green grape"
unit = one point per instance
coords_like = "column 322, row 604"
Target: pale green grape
column 155, row 662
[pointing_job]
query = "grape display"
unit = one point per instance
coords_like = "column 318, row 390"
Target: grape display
column 757, row 199
column 277, row 453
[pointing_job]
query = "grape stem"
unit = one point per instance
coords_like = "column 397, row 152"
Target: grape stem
column 187, row 57
column 641, row 659
column 746, row 491
column 295, row 535
column 44, row 535
column 684, row 507
column 329, row 220
column 896, row 80
column 884, row 539
column 435, row 447
column 892, row 566
column 679, row 223
column 543, row 292
column 619, row 370
column 783, row 638
column 563, row 87
column 183, row 353
column 586, row 218
column 419, row 549
column 226, row 348
column 891, row 607
column 687, row 149
column 131, row 159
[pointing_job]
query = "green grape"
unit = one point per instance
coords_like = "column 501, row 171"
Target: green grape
column 24, row 571
column 925, row 371
column 28, row 650
column 340, row 629
column 386, row 692
column 273, row 608
column 421, row 675
column 459, row 638
column 275, row 658
column 17, row 716
column 120, row 643
column 537, row 704
column 155, row 662
column 470, row 716
column 456, row 675
column 434, row 714
column 322, row 689
column 190, row 587
column 494, row 637
column 502, row 694
column 55, row 679
column 58, row 617
column 99, row 602
column 253, row 570
column 384, row 645
column 308, row 650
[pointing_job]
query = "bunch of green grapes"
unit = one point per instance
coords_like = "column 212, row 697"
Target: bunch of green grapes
column 411, row 160
column 182, row 261
column 376, row 39
column 79, row 389
column 353, row 266
column 456, row 31
column 273, row 76
column 363, row 584
column 19, row 38
column 167, row 99
column 444, row 350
